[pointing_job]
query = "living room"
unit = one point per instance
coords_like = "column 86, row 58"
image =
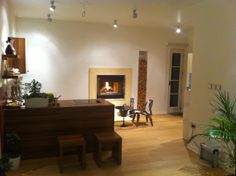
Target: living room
column 60, row 53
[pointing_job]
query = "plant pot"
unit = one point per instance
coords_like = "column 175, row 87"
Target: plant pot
column 36, row 102
column 15, row 163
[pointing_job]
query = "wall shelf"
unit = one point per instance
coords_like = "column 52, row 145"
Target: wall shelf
column 9, row 77
column 17, row 60
column 5, row 56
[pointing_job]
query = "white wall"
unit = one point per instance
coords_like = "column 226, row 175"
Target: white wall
column 60, row 54
column 6, row 23
column 214, row 58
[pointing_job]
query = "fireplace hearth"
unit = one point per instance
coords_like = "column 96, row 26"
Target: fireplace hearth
column 110, row 86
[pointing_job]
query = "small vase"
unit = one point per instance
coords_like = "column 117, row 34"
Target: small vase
column 9, row 50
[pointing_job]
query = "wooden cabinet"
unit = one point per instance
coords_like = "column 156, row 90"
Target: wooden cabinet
column 14, row 61
column 1, row 119
column 19, row 45
column 38, row 128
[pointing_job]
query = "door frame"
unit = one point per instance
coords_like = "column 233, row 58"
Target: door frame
column 179, row 48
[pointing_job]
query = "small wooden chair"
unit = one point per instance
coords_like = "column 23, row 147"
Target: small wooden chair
column 147, row 112
column 72, row 141
column 112, row 139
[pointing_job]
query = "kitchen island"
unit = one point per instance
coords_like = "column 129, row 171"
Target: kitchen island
column 38, row 128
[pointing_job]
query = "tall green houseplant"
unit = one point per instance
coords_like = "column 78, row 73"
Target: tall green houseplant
column 222, row 128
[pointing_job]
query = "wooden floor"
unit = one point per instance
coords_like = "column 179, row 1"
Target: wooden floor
column 147, row 151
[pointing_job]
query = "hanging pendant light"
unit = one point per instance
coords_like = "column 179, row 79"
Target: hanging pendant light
column 52, row 6
column 115, row 25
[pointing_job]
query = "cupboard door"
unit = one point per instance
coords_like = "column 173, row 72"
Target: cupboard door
column 19, row 45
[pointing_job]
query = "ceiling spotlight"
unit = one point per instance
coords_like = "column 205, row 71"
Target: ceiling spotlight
column 49, row 18
column 178, row 29
column 135, row 13
column 83, row 13
column 115, row 25
column 52, row 6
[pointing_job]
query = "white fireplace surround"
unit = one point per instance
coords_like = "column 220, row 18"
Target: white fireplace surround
column 93, row 72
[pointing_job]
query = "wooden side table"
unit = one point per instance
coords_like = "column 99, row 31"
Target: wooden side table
column 112, row 139
column 72, row 141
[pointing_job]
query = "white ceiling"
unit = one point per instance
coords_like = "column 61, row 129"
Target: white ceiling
column 153, row 13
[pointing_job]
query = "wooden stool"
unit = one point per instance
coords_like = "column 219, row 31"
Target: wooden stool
column 110, row 138
column 70, row 141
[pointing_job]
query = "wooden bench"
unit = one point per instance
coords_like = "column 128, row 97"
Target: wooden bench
column 111, row 139
column 68, row 142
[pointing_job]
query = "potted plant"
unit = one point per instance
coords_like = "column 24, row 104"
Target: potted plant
column 222, row 128
column 4, row 165
column 13, row 150
column 35, row 98
column 52, row 99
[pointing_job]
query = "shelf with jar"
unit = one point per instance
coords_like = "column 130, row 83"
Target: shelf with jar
column 12, row 66
column 13, row 61
column 9, row 67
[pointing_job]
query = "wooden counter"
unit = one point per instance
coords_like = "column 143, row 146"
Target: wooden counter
column 39, row 127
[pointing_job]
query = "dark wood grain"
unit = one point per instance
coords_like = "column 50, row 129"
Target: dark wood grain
column 39, row 127
column 1, row 116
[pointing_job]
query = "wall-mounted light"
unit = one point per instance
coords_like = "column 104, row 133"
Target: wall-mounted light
column 52, row 6
column 178, row 29
column 49, row 18
column 83, row 4
column 115, row 25
column 135, row 13
column 83, row 13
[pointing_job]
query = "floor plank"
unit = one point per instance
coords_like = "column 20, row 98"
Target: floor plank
column 147, row 151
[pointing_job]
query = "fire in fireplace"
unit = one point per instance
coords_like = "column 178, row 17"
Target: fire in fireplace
column 110, row 86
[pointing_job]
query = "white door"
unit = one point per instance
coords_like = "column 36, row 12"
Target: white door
column 175, row 81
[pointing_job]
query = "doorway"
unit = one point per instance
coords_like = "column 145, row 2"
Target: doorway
column 177, row 81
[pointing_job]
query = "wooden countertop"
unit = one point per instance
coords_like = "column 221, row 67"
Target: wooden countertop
column 39, row 128
column 69, row 104
column 83, row 102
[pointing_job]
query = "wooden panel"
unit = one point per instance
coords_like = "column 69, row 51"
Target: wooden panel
column 39, row 127
column 19, row 45
column 1, row 117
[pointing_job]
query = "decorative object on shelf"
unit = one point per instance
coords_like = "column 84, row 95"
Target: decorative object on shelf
column 13, row 150
column 4, row 165
column 13, row 93
column 16, row 87
column 10, row 49
column 9, row 71
column 35, row 98
column 52, row 99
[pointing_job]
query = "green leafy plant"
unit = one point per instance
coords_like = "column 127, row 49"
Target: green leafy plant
column 12, row 145
column 4, row 165
column 222, row 128
column 34, row 90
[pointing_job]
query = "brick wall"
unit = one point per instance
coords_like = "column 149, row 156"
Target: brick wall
column 142, row 79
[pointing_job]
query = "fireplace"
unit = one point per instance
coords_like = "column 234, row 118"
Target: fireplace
column 110, row 86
